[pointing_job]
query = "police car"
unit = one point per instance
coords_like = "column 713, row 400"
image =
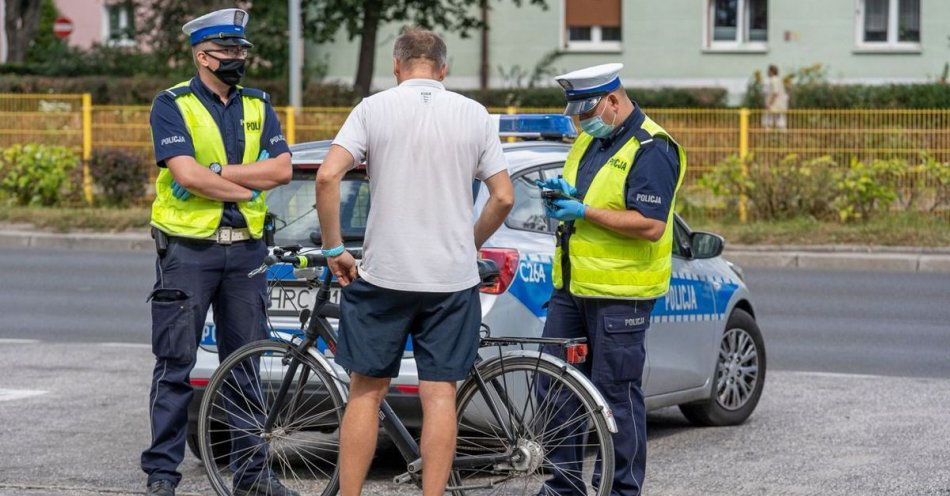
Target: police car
column 705, row 352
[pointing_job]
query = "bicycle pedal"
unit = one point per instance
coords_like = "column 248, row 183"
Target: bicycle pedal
column 404, row 478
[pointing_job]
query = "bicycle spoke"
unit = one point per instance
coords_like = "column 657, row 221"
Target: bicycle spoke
column 545, row 413
column 294, row 449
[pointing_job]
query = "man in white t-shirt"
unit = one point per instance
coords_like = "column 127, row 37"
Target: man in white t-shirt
column 424, row 147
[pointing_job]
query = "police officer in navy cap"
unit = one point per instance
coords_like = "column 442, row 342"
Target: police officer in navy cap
column 219, row 148
column 613, row 258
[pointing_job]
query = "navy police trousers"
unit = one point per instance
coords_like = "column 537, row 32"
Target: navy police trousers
column 191, row 276
column 616, row 333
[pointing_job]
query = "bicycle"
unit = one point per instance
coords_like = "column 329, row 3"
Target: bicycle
column 514, row 408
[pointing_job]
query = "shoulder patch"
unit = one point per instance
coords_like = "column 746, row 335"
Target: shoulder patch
column 255, row 93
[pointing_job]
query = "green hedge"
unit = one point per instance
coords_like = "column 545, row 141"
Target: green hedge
column 141, row 90
column 931, row 95
column 554, row 97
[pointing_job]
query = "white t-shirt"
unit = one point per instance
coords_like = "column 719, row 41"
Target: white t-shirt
column 424, row 147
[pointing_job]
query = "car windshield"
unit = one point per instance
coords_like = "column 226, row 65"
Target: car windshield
column 296, row 218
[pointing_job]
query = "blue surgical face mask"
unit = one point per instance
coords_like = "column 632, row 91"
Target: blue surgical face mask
column 596, row 127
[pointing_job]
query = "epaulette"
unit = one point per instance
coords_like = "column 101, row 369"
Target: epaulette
column 178, row 91
column 255, row 93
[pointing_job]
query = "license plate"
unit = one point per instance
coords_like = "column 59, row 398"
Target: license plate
column 290, row 297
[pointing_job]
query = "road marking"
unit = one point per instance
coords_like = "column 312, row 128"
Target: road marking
column 19, row 394
column 839, row 375
column 18, row 341
column 125, row 345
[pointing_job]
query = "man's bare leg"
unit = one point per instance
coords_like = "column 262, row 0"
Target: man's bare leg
column 359, row 430
column 439, row 429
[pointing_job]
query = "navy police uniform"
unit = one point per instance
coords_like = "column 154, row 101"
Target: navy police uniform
column 195, row 274
column 615, row 329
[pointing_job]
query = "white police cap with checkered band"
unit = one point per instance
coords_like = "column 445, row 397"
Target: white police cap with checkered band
column 585, row 87
column 223, row 27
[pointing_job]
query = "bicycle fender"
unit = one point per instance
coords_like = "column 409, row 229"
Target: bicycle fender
column 337, row 381
column 603, row 408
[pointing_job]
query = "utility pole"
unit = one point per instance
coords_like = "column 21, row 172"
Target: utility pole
column 296, row 53
column 483, row 70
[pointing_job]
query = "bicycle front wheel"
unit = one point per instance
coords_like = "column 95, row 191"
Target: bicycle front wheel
column 543, row 420
column 240, row 454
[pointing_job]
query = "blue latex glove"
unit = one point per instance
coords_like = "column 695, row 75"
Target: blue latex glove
column 263, row 156
column 566, row 210
column 179, row 192
column 254, row 194
column 558, row 183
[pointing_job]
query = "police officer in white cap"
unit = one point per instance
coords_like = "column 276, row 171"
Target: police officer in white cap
column 613, row 257
column 219, row 148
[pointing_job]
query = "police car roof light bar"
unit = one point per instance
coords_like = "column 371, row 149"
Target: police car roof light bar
column 536, row 126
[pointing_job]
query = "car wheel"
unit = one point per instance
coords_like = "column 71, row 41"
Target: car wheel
column 739, row 378
column 220, row 452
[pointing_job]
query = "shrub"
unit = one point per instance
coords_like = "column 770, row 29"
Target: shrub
column 785, row 190
column 120, row 175
column 867, row 189
column 37, row 174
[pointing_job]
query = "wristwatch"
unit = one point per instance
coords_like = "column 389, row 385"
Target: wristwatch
column 216, row 168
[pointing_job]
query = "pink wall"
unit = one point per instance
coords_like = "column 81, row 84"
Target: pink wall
column 87, row 17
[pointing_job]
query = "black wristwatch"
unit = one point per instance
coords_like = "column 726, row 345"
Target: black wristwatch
column 216, row 168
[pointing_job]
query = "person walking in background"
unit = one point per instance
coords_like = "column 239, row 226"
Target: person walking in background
column 776, row 101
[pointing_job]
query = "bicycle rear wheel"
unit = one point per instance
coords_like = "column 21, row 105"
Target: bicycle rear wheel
column 302, row 446
column 561, row 443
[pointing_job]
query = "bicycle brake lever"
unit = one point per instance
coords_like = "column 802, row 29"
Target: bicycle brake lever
column 259, row 270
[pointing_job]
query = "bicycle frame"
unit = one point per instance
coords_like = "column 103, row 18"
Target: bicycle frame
column 319, row 328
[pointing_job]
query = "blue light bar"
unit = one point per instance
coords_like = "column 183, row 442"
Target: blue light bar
column 545, row 126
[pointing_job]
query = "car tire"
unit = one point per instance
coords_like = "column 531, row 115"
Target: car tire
column 714, row 411
column 221, row 454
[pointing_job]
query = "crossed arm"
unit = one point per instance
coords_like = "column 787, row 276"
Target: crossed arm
column 235, row 182
column 629, row 223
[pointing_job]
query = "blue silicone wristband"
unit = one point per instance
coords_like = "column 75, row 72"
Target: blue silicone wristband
column 333, row 252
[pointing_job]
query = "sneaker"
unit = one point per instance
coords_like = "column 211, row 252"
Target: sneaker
column 270, row 486
column 161, row 488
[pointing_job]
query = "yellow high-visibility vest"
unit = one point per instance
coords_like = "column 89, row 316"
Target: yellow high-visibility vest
column 606, row 264
column 199, row 217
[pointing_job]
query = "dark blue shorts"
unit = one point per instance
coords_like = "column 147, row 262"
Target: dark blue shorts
column 375, row 323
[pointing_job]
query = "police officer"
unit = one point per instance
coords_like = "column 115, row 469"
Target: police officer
column 613, row 256
column 219, row 147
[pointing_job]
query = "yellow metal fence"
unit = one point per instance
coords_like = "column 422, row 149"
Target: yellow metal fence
column 709, row 135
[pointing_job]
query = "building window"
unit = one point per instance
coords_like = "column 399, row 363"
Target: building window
column 592, row 25
column 888, row 24
column 118, row 24
column 737, row 25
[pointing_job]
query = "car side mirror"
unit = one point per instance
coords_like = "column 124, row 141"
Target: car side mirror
column 706, row 245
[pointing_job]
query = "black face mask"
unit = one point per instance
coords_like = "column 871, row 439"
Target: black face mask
column 229, row 71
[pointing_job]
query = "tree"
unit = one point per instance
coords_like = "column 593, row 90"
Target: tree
column 323, row 19
column 22, row 18
column 267, row 29
column 45, row 45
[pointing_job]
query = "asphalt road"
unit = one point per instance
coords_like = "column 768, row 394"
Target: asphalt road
column 856, row 397
column 829, row 321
